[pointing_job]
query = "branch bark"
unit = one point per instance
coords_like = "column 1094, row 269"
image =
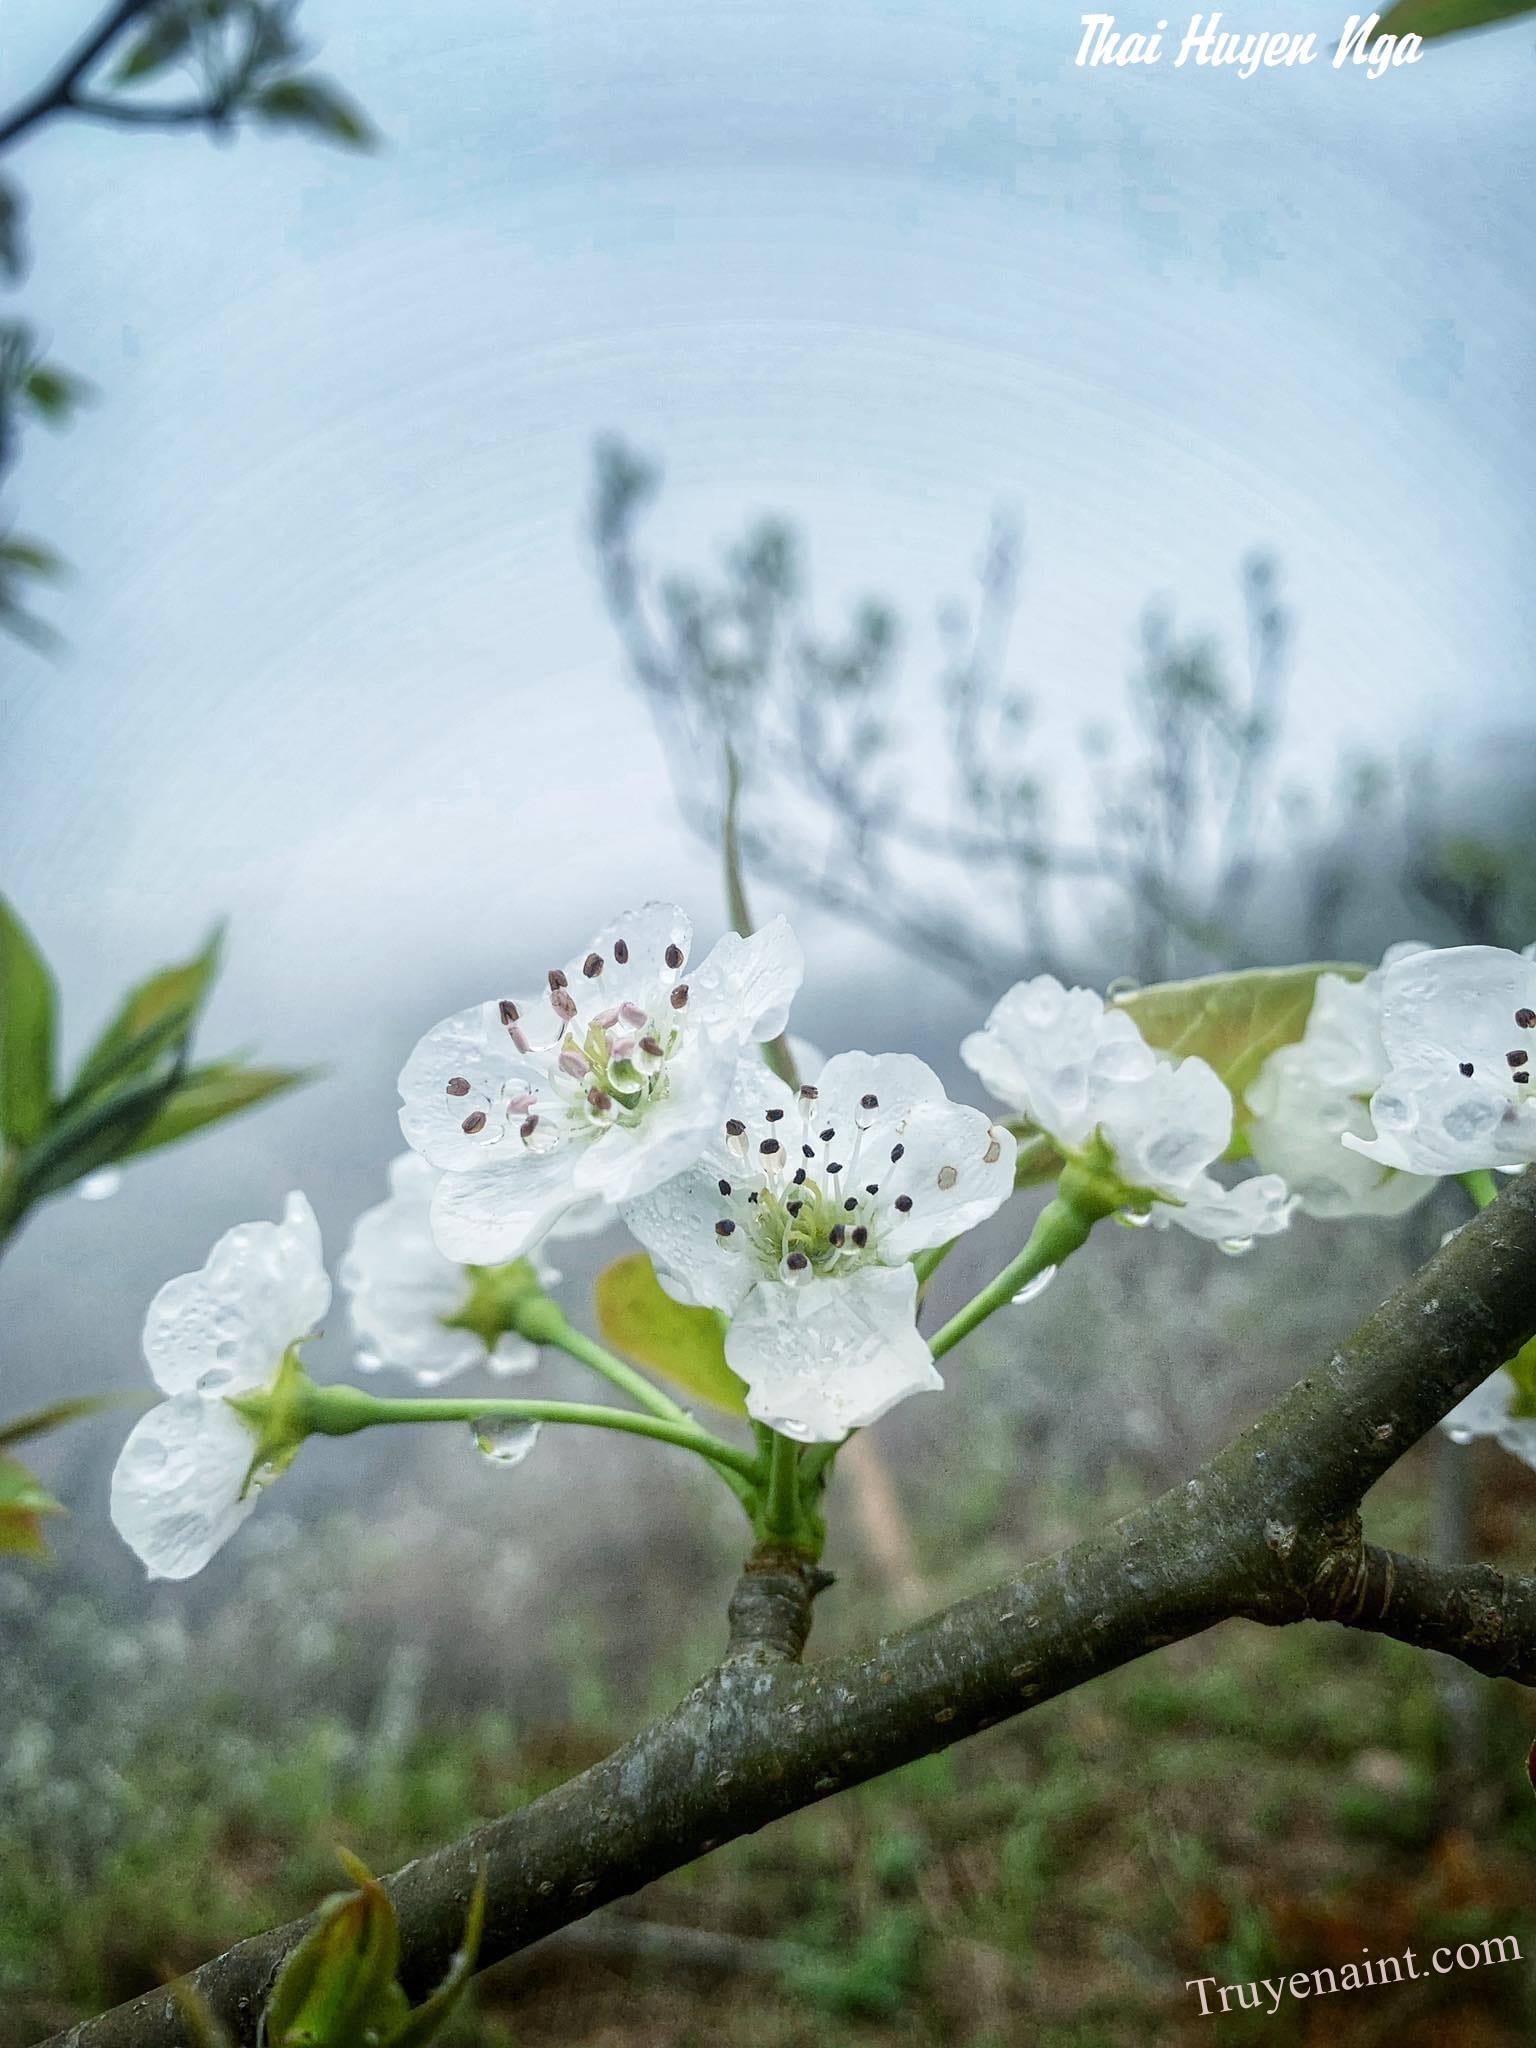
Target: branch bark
column 57, row 94
column 1268, row 1530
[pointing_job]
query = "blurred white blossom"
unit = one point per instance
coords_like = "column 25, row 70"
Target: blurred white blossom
column 1487, row 1412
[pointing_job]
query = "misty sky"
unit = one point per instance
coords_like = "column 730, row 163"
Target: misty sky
column 335, row 662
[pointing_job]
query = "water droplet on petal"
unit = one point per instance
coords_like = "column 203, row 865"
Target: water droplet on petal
column 1460, row 1434
column 100, row 1187
column 1234, row 1247
column 1134, row 1219
column 1122, row 985
column 1032, row 1289
column 504, row 1442
column 214, row 1378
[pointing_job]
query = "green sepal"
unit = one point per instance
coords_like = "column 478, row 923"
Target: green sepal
column 498, row 1301
column 280, row 1416
column 338, row 1988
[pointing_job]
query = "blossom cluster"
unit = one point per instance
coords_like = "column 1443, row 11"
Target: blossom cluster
column 633, row 1087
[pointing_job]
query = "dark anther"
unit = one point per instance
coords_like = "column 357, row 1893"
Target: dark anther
column 852, row 1202
column 458, row 1085
column 793, row 1208
column 1517, row 1059
column 797, row 1262
column 769, row 1145
column 724, row 1186
column 600, row 1102
column 528, row 1126
column 807, row 1151
column 508, row 1012
column 1526, row 1019
column 724, row 1227
column 563, row 1003
column 474, row 1122
column 735, row 1127
column 903, row 1203
column 828, row 1135
column 836, row 1235
column 1467, row 1068
column 873, row 1188
column 653, row 1047
column 861, row 1237
column 799, row 1176
column 835, row 1166
column 896, row 1152
column 674, row 956
column 557, row 977
column 679, row 996
column 869, row 1102
column 1521, row 1078
column 773, row 1115
column 753, row 1196
column 808, row 1093
column 592, row 966
column 621, row 951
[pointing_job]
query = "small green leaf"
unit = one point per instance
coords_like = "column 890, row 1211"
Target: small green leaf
column 54, row 394
column 1231, row 1021
column 207, row 1095
column 685, row 1345
column 29, row 1005
column 23, row 1504
column 41, row 1420
column 33, row 558
column 428, row 2020
column 95, row 1133
column 315, row 104
column 167, row 36
column 1522, row 1370
column 1431, row 18
column 337, row 1989
column 154, row 1018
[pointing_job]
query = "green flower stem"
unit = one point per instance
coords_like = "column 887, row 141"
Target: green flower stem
column 343, row 1410
column 781, row 1509
column 1060, row 1229
column 544, row 1323
column 1480, row 1185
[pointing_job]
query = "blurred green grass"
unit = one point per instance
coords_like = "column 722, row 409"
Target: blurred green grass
column 1242, row 1806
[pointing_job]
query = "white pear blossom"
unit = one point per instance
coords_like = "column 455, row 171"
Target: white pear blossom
column 1458, row 1026
column 604, row 1085
column 1081, row 1071
column 1487, row 1412
column 403, row 1294
column 800, row 1218
column 187, row 1477
column 1307, row 1096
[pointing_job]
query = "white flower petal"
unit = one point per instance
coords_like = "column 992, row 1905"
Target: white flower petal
column 1253, row 1208
column 897, row 1080
column 225, row 1328
column 1052, row 1053
column 466, row 1066
column 955, row 1170
column 1486, row 1412
column 500, row 1211
column 745, row 986
column 176, row 1488
column 1166, row 1127
column 832, row 1355
column 645, row 935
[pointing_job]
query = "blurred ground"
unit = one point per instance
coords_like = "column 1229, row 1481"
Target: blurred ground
column 1242, row 1806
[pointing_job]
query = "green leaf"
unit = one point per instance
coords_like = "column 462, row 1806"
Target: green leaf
column 167, row 36
column 207, row 1095
column 337, row 1989
column 53, row 393
column 1231, row 1021
column 684, row 1345
column 29, row 1004
column 1522, row 1370
column 315, row 104
column 23, row 1504
column 428, row 2020
column 154, row 1018
column 1431, row 18
column 57, row 1414
column 33, row 558
column 93, row 1134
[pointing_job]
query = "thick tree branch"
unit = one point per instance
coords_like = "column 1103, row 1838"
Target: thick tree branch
column 1268, row 1530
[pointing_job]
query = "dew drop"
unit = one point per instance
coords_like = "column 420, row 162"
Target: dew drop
column 1134, row 1219
column 100, row 1187
column 1234, row 1247
column 504, row 1442
column 1032, row 1289
column 1460, row 1434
